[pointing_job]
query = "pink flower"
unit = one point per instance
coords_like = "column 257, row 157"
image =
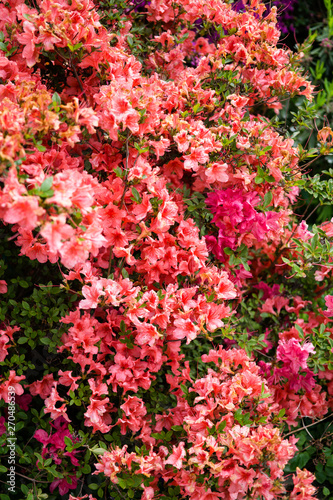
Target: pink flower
column 71, row 497
column 185, row 328
column 4, row 345
column 148, row 493
column 182, row 141
column 64, row 485
column 202, row 494
column 3, row 286
column 217, row 172
column 42, row 387
column 92, row 294
column 24, row 210
column 329, row 305
column 28, row 38
column 50, row 405
column 277, row 301
column 303, row 489
column 97, row 415
column 12, row 384
column 293, row 354
column 237, row 220
column 177, row 456
column 56, row 231
column 123, row 112
column 134, row 408
column 66, row 378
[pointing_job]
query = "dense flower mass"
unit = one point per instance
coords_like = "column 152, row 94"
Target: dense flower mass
column 238, row 221
column 142, row 173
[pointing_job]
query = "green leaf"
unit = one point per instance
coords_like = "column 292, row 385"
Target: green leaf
column 119, row 172
column 136, row 195
column 45, row 341
column 196, row 107
column 299, row 329
column 184, row 389
column 183, row 38
column 281, row 412
column 238, row 416
column 68, row 442
column 124, row 273
column 222, row 426
column 24, row 284
column 98, row 451
column 301, row 459
column 93, row 486
column 86, row 469
column 122, row 483
column 22, row 340
column 47, row 184
column 320, row 474
column 24, row 489
column 56, row 99
column 268, row 198
column 19, row 426
column 168, row 436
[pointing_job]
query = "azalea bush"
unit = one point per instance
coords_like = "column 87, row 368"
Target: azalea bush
column 165, row 317
column 301, row 119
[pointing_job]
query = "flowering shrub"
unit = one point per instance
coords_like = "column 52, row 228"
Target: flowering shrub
column 286, row 14
column 156, row 348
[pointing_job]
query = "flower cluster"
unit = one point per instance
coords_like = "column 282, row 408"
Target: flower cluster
column 53, row 448
column 238, row 221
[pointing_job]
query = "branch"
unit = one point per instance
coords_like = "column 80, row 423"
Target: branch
column 305, row 427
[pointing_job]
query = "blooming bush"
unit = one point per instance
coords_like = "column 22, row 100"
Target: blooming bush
column 156, row 347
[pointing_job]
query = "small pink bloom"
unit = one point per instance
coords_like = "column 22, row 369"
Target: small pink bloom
column 28, row 38
column 177, row 456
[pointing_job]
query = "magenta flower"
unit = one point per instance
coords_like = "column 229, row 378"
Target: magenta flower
column 237, row 220
column 294, row 355
column 54, row 444
column 64, row 485
column 2, row 425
